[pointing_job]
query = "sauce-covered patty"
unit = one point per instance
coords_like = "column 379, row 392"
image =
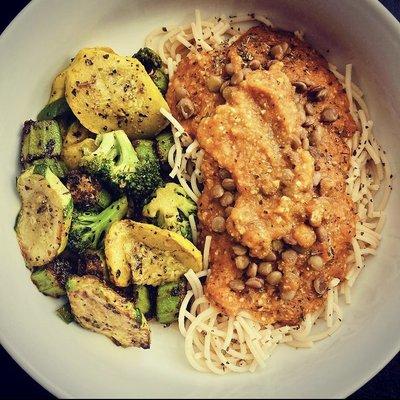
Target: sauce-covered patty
column 272, row 120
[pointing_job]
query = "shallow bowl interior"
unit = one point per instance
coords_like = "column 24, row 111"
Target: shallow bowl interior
column 72, row 362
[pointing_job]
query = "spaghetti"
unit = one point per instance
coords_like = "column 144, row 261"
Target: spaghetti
column 220, row 344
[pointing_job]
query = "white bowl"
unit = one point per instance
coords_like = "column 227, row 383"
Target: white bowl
column 72, row 362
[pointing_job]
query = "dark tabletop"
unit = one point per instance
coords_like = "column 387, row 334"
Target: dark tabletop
column 16, row 383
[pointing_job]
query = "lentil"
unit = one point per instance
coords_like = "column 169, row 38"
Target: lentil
column 228, row 184
column 309, row 109
column 255, row 283
column 265, row 268
column 316, row 262
column 214, row 83
column 319, row 93
column 217, row 191
column 274, row 277
column 242, row 262
column 218, row 224
column 236, row 285
column 237, row 78
column 223, row 173
column 301, row 87
column 277, row 245
column 329, row 114
column 239, row 250
column 180, row 93
column 229, row 69
column 320, row 286
column 228, row 211
column 289, row 256
column 255, row 64
column 226, row 199
column 288, row 295
column 252, row 270
column 186, row 107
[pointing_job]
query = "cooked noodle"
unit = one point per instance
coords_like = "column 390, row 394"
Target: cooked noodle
column 220, row 344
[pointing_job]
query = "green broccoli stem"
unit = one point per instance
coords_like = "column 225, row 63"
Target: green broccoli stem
column 104, row 199
column 105, row 219
column 127, row 154
column 88, row 228
column 106, row 145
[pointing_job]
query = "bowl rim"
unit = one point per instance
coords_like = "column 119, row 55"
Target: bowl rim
column 393, row 26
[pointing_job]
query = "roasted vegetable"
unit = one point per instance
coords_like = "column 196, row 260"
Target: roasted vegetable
column 147, row 177
column 93, row 262
column 141, row 297
column 40, row 139
column 107, row 92
column 117, row 162
column 57, row 108
column 153, row 66
column 169, row 300
column 149, row 59
column 65, row 313
column 161, row 80
column 164, row 142
column 78, row 140
column 147, row 255
column 44, row 221
column 51, row 279
column 57, row 167
column 86, row 191
column 88, row 228
column 58, row 87
column 170, row 209
column 100, row 309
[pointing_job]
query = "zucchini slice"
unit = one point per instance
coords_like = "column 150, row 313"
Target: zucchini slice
column 41, row 139
column 100, row 309
column 45, row 217
column 169, row 300
column 142, row 299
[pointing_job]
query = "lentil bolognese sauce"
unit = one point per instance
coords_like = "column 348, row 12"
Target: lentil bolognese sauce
column 276, row 147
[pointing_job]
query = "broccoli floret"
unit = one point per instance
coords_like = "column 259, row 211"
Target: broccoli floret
column 88, row 228
column 147, row 177
column 135, row 170
column 153, row 65
column 170, row 209
column 86, row 191
column 149, row 58
column 164, row 142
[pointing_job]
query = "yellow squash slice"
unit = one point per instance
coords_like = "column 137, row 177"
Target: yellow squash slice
column 109, row 92
column 44, row 220
column 147, row 255
column 77, row 140
column 58, row 86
